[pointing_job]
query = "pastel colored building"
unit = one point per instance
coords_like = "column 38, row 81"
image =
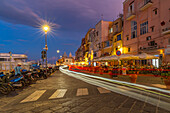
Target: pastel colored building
column 101, row 36
column 80, row 53
column 116, row 34
column 147, row 27
column 89, row 45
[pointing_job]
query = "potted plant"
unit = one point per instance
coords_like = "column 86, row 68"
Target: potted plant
column 101, row 70
column 133, row 77
column 165, row 76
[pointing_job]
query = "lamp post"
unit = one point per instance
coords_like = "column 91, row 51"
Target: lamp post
column 10, row 54
column 58, row 51
column 46, row 29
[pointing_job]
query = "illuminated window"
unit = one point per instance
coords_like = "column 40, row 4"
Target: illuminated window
column 111, row 30
column 148, row 38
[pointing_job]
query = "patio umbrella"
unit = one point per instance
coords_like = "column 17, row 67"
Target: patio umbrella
column 147, row 56
column 128, row 57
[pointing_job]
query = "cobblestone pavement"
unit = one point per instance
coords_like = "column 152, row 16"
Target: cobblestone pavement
column 63, row 94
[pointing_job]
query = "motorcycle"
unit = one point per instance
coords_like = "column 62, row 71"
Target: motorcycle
column 5, row 87
column 41, row 73
column 15, row 80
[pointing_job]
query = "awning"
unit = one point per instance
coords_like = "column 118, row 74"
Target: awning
column 146, row 56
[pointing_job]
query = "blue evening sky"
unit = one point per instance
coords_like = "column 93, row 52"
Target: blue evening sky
column 71, row 18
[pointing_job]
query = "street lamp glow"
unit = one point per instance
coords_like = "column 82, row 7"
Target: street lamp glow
column 46, row 28
column 58, row 51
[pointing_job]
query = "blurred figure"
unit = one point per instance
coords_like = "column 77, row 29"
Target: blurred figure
column 18, row 69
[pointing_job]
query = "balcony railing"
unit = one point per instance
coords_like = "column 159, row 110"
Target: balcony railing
column 130, row 15
column 146, row 5
column 166, row 31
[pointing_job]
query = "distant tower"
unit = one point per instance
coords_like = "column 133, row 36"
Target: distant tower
column 70, row 55
column 65, row 55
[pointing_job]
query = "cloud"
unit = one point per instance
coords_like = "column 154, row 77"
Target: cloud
column 21, row 40
column 2, row 44
column 19, row 12
column 71, row 15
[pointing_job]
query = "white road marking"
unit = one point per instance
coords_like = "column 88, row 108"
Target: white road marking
column 102, row 90
column 34, row 96
column 82, row 91
column 59, row 93
column 123, row 88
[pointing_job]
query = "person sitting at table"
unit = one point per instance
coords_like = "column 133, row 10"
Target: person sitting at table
column 105, row 69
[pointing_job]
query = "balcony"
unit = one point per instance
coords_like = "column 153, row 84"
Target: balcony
column 130, row 16
column 146, row 5
column 166, row 31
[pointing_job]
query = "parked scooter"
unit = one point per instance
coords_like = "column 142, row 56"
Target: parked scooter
column 28, row 77
column 41, row 73
column 16, row 80
column 5, row 87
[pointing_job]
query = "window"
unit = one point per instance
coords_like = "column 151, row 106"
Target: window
column 152, row 43
column 111, row 30
column 133, row 29
column 148, row 38
column 127, row 38
column 131, row 7
column 97, row 33
column 116, row 27
column 146, row 1
column 129, row 49
column 118, row 37
column 95, row 54
column 155, row 11
column 107, row 44
column 152, row 28
column 2, row 59
column 115, row 40
column 144, row 28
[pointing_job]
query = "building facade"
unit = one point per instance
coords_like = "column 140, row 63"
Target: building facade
column 101, row 38
column 9, row 61
column 116, row 35
column 147, row 27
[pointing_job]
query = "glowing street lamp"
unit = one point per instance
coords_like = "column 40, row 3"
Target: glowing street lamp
column 46, row 28
column 58, row 51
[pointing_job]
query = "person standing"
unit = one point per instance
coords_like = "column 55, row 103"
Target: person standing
column 18, row 69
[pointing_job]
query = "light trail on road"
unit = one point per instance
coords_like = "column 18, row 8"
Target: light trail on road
column 134, row 92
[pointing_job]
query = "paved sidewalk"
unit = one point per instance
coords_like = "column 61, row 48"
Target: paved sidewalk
column 144, row 80
column 63, row 94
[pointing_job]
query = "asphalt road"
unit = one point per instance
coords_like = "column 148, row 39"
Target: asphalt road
column 61, row 93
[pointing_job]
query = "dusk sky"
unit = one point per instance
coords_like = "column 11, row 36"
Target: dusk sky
column 20, row 19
